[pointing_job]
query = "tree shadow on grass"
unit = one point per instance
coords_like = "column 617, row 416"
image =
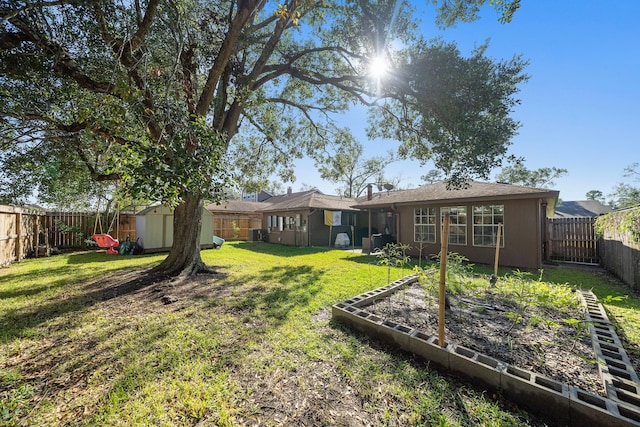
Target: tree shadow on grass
column 276, row 249
column 443, row 390
column 26, row 277
column 273, row 294
column 62, row 274
column 102, row 257
column 17, row 321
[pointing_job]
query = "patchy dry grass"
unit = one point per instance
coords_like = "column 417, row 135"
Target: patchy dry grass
column 87, row 339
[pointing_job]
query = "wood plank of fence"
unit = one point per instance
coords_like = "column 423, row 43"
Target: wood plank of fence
column 8, row 236
column 620, row 252
column 18, row 233
column 22, row 231
column 235, row 227
column 60, row 237
column 573, row 240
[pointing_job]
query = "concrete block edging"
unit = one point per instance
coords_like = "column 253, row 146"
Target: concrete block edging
column 541, row 395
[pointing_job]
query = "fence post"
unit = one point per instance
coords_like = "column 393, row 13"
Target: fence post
column 19, row 243
column 36, row 240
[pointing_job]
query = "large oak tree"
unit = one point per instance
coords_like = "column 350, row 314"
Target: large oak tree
column 175, row 99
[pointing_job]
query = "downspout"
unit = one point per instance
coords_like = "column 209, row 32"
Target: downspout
column 369, row 236
column 540, row 234
column 544, row 253
column 398, row 225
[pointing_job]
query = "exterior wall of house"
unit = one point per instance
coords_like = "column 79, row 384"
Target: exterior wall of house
column 522, row 232
column 309, row 230
column 295, row 234
column 319, row 233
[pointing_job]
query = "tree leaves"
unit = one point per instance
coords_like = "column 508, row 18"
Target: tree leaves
column 347, row 166
column 192, row 161
column 164, row 94
column 454, row 110
column 519, row 174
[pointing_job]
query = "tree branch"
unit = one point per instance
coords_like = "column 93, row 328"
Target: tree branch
column 136, row 41
column 36, row 5
column 126, row 57
column 246, row 9
column 95, row 175
column 10, row 40
column 64, row 64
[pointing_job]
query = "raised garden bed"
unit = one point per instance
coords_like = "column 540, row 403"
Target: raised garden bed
column 538, row 372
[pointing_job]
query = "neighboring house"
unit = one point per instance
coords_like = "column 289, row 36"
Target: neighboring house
column 154, row 229
column 237, row 219
column 256, row 197
column 415, row 216
column 581, row 208
column 300, row 219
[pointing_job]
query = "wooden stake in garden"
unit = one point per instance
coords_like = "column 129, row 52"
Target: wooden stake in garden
column 443, row 277
column 353, row 238
column 495, row 265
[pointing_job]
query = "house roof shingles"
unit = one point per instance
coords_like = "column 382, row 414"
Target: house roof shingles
column 581, row 208
column 313, row 199
column 438, row 192
column 236, row 206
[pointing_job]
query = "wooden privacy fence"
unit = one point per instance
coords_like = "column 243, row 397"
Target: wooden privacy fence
column 620, row 248
column 23, row 231
column 19, row 233
column 73, row 229
column 68, row 229
column 235, row 227
column 572, row 240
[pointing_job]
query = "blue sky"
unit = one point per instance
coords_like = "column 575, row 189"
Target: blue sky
column 581, row 107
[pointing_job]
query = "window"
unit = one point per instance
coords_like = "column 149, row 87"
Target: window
column 424, row 225
column 289, row 221
column 485, row 225
column 457, row 224
column 348, row 218
column 272, row 223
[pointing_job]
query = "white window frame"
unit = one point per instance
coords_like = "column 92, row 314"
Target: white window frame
column 289, row 222
column 485, row 225
column 457, row 224
column 424, row 218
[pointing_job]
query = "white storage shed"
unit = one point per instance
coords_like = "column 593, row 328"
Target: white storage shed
column 154, row 229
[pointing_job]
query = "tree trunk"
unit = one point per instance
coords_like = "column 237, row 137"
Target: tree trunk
column 184, row 257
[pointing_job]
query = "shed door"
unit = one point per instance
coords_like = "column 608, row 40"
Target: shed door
column 167, row 232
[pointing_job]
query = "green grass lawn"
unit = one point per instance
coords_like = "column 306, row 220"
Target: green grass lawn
column 83, row 343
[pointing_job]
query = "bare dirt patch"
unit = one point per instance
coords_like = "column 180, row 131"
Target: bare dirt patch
column 546, row 341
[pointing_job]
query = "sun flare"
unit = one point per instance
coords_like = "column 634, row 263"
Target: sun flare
column 378, row 67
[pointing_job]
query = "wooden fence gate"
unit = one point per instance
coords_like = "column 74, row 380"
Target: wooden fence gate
column 572, row 240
